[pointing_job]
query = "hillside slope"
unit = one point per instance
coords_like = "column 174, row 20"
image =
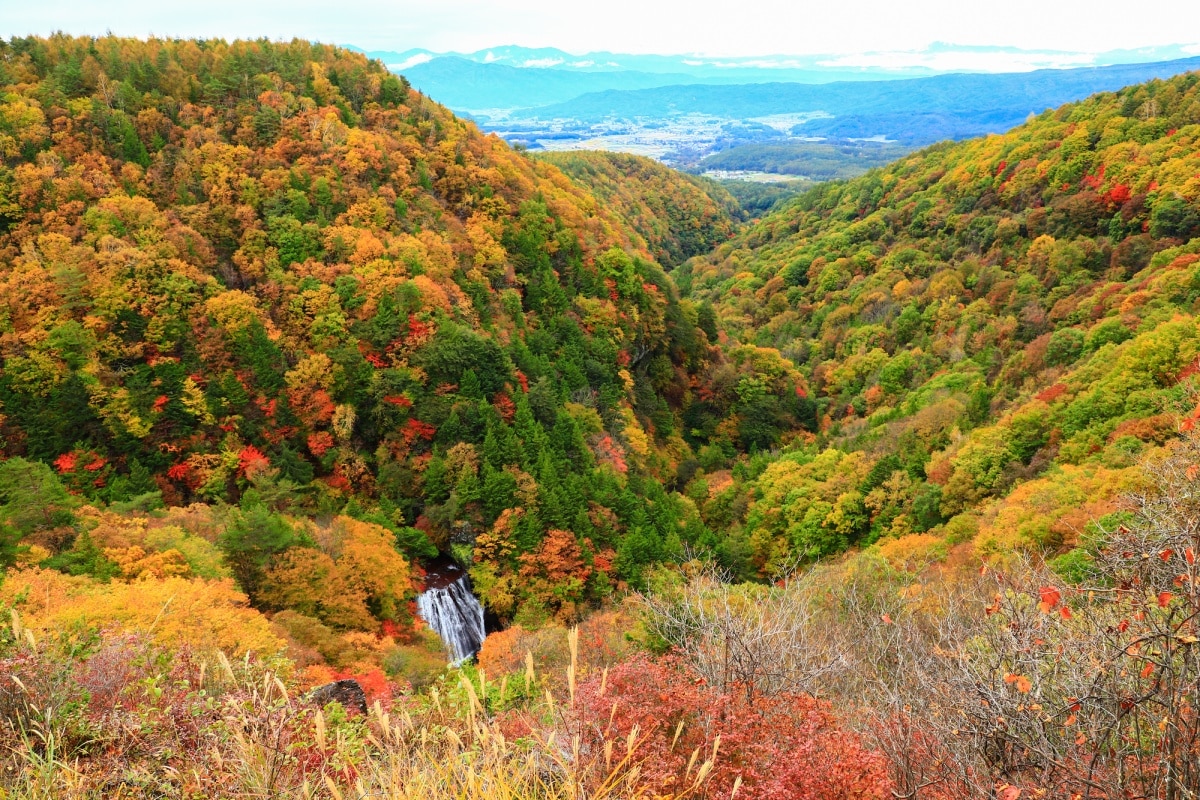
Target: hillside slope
column 1009, row 317
column 678, row 215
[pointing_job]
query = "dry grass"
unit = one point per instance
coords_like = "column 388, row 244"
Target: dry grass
column 233, row 729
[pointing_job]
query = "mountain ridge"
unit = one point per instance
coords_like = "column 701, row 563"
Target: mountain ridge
column 947, row 93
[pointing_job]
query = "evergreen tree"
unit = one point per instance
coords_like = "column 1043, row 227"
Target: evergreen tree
column 84, row 558
column 252, row 537
column 10, row 547
column 32, row 498
column 293, row 466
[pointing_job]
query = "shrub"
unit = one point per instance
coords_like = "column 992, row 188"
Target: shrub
column 781, row 746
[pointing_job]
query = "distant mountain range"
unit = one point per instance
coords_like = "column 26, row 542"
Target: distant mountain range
column 520, row 77
column 472, row 86
column 916, row 111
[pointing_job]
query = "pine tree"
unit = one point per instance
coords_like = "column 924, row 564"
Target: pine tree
column 32, row 498
column 251, row 539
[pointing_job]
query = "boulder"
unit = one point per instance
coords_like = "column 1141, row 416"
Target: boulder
column 347, row 692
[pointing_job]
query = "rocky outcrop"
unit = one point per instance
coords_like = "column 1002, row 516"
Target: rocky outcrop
column 347, row 692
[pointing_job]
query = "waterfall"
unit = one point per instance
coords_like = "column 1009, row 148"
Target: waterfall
column 454, row 613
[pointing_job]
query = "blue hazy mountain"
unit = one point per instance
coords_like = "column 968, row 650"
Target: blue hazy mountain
column 467, row 86
column 523, row 77
column 937, row 58
column 914, row 111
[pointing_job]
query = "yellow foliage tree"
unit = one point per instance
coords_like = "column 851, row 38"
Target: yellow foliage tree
column 171, row 610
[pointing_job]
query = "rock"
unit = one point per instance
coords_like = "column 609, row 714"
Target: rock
column 347, row 692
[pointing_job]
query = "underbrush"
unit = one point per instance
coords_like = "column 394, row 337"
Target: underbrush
column 120, row 717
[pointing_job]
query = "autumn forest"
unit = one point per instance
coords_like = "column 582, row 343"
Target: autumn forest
column 890, row 493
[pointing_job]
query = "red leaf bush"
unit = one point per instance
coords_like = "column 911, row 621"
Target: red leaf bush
column 787, row 746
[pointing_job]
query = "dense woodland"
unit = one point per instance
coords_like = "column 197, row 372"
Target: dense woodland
column 891, row 494
column 679, row 216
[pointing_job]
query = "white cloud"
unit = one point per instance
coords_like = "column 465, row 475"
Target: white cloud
column 966, row 61
column 756, row 63
column 410, row 62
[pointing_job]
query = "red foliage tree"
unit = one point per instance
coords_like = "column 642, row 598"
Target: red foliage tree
column 504, row 406
column 251, row 461
column 415, row 428
column 320, row 442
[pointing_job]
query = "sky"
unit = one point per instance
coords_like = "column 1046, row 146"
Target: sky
column 710, row 27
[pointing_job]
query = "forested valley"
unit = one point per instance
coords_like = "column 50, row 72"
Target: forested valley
column 889, row 493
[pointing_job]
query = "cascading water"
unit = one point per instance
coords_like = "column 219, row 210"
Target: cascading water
column 453, row 612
